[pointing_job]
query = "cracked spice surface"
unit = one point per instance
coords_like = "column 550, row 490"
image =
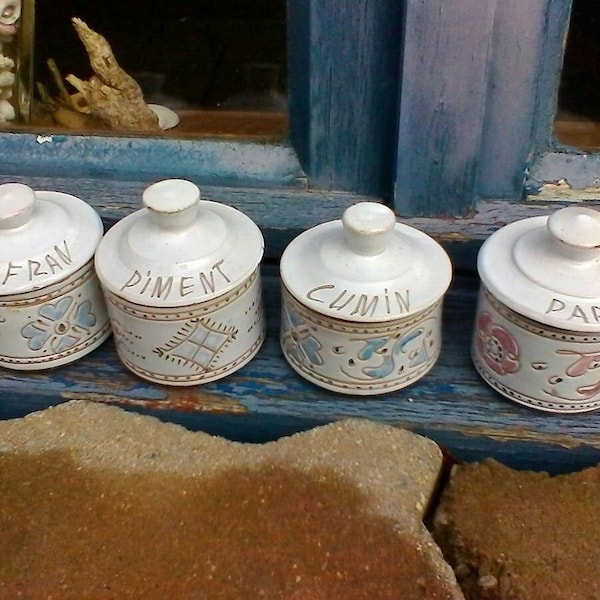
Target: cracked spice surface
column 521, row 535
column 72, row 531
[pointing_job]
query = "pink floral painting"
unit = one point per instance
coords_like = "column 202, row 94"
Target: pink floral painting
column 496, row 346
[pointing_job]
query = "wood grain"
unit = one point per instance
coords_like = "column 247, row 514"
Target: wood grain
column 521, row 43
column 344, row 57
column 266, row 399
column 442, row 104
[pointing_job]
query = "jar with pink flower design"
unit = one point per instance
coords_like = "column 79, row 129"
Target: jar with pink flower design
column 51, row 307
column 536, row 337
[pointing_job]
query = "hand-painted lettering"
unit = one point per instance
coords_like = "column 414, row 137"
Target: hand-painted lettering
column 574, row 311
column 342, row 300
column 167, row 286
column 54, row 262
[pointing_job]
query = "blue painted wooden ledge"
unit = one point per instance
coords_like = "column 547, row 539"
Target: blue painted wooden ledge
column 266, row 399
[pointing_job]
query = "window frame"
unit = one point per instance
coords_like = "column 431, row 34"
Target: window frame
column 492, row 122
column 440, row 110
column 343, row 88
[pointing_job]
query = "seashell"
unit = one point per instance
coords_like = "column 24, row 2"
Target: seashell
column 167, row 118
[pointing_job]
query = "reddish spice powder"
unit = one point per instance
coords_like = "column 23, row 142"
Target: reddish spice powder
column 68, row 531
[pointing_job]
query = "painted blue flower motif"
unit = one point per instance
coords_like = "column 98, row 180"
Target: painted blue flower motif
column 60, row 325
column 376, row 346
column 297, row 340
column 381, row 357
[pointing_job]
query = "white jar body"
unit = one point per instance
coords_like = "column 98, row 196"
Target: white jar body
column 54, row 325
column 190, row 345
column 534, row 364
column 359, row 358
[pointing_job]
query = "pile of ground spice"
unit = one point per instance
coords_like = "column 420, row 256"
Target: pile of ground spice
column 520, row 535
column 68, row 531
column 98, row 503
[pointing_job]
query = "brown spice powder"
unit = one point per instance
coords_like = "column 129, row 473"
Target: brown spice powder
column 68, row 531
column 521, row 535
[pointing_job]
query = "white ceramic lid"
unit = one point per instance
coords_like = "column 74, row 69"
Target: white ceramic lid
column 366, row 267
column 44, row 237
column 178, row 250
column 548, row 268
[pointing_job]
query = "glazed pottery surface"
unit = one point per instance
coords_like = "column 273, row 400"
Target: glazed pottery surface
column 537, row 331
column 52, row 311
column 362, row 300
column 182, row 284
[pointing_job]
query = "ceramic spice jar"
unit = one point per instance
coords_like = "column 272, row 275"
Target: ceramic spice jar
column 181, row 279
column 52, row 310
column 362, row 300
column 537, row 331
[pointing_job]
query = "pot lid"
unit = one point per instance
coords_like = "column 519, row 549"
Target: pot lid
column 366, row 267
column 44, row 237
column 548, row 268
column 178, row 250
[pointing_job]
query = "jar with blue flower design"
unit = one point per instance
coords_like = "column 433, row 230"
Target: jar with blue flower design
column 362, row 302
column 51, row 307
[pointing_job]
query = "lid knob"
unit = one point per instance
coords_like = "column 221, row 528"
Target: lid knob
column 172, row 203
column 576, row 230
column 367, row 227
column 16, row 205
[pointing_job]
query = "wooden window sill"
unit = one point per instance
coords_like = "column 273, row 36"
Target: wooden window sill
column 266, row 399
column 252, row 126
column 579, row 133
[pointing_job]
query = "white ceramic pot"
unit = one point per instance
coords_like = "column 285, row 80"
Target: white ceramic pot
column 51, row 307
column 537, row 331
column 182, row 285
column 362, row 300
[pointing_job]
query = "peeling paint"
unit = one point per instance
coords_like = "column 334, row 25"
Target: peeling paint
column 565, row 176
column 185, row 400
column 561, row 190
column 569, row 442
column 455, row 236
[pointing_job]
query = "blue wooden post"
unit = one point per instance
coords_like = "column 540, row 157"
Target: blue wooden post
column 477, row 107
column 551, row 53
column 521, row 93
column 442, row 104
column 343, row 91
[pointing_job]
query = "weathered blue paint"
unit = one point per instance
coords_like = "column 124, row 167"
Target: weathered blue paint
column 549, row 65
column 519, row 153
column 454, row 97
column 299, row 76
column 520, row 44
column 478, row 105
column 135, row 158
column 344, row 58
column 442, row 104
column 578, row 172
column 451, row 404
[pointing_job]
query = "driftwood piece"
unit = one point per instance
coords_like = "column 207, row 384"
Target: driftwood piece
column 111, row 94
column 67, row 110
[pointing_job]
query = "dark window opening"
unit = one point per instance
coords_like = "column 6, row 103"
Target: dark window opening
column 578, row 116
column 219, row 64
